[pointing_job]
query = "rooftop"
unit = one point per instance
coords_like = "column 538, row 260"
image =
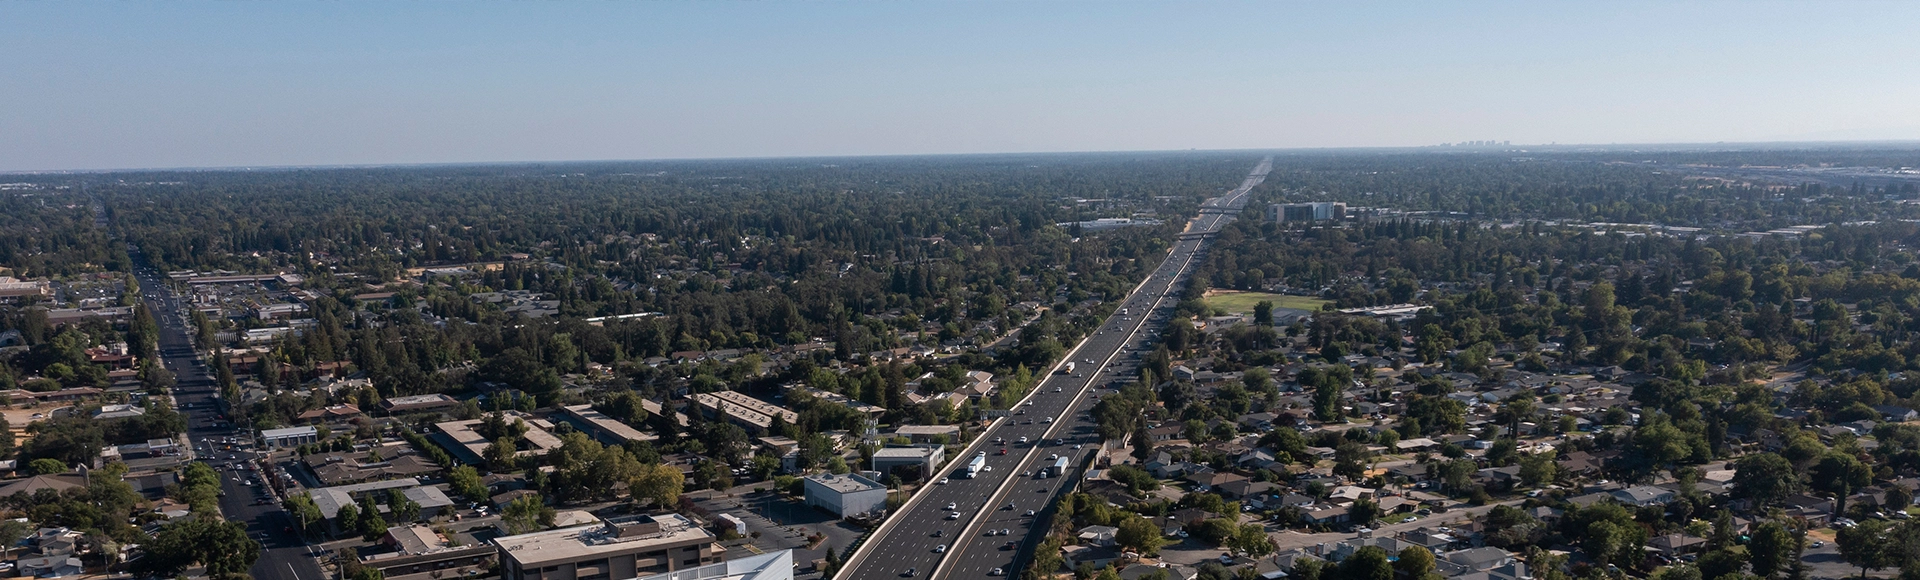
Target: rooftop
column 580, row 542
column 848, row 483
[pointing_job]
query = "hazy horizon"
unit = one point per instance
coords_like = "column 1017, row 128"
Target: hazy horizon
column 106, row 86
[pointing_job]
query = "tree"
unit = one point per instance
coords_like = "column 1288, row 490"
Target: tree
column 1765, row 478
column 1537, row 469
column 1263, row 313
column 1415, row 563
column 1368, row 563
column 526, row 514
column 1720, row 563
column 1139, row 534
column 1869, row 545
column 501, row 454
column 657, row 482
column 223, row 547
column 465, row 480
column 348, row 518
column 1839, row 473
column 1770, row 549
column 1328, row 384
column 1252, row 540
column 47, row 466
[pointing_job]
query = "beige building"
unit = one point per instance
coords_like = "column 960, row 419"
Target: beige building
column 643, row 546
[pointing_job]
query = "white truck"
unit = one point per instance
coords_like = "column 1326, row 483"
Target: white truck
column 1067, row 369
column 974, row 467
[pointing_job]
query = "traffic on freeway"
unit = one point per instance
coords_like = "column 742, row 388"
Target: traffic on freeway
column 976, row 520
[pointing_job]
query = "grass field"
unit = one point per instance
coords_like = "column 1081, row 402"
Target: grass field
column 1242, row 302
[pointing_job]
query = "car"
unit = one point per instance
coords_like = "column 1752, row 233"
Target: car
column 996, row 572
column 1006, row 532
column 1026, row 473
column 1055, row 389
column 1029, row 513
column 1003, row 451
column 1078, row 445
column 911, row 572
column 1023, row 440
column 953, row 516
column 992, row 532
column 1007, row 546
column 939, row 533
column 952, row 506
column 1819, row 544
column 1047, row 420
column 943, row 481
column 940, row 549
column 1009, row 506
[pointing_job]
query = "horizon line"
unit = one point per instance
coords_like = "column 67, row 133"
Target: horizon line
column 1438, row 148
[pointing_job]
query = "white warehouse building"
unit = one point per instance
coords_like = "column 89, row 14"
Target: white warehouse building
column 846, row 495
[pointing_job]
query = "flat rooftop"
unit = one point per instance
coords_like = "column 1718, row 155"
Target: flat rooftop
column 582, row 542
column 848, row 483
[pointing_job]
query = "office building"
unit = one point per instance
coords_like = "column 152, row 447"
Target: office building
column 607, row 550
column 1307, row 212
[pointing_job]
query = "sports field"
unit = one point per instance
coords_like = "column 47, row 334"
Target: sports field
column 1242, row 302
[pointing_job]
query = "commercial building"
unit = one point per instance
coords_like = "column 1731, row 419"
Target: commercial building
column 1306, row 212
column 845, row 495
column 289, row 437
column 607, row 550
column 466, row 443
column 419, row 404
column 768, row 566
column 924, row 459
column 430, row 499
column 606, row 429
column 749, row 413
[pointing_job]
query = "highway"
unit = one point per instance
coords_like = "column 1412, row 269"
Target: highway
column 954, row 530
column 284, row 555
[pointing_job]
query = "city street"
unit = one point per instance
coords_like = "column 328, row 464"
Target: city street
column 284, row 555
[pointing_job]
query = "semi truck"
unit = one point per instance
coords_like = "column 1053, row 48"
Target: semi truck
column 976, row 466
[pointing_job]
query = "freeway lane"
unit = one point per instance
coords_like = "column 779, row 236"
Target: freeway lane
column 284, row 555
column 927, row 533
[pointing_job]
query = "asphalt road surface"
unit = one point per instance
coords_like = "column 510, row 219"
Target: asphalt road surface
column 284, row 555
column 929, row 538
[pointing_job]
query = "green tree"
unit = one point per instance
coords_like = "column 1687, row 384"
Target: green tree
column 1415, row 563
column 1138, row 534
column 348, row 518
column 658, row 483
column 47, row 466
column 526, row 514
column 1765, row 478
column 1769, row 549
column 1871, row 545
column 465, row 480
column 1368, row 563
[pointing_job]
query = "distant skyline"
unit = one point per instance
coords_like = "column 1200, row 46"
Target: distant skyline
column 97, row 85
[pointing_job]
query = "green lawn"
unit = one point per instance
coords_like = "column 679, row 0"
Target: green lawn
column 1243, row 302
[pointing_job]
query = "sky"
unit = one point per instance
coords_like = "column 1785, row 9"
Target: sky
column 105, row 85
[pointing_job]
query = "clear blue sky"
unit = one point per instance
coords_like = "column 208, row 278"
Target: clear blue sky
column 177, row 84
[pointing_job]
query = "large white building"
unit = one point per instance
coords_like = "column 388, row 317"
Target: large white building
column 289, row 437
column 846, row 495
column 768, row 566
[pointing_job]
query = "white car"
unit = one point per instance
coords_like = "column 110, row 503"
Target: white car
column 952, row 506
column 943, row 481
column 953, row 516
column 940, row 549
